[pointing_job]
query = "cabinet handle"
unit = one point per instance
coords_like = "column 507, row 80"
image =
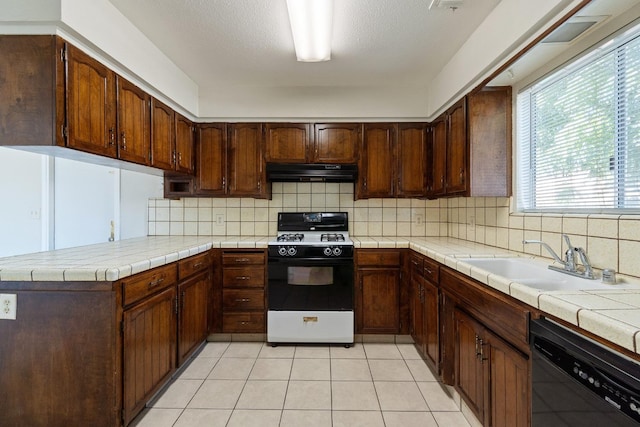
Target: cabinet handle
column 477, row 346
column 173, row 157
column 244, row 323
column 243, row 277
column 415, row 263
column 156, row 282
column 112, row 137
column 198, row 265
column 461, row 176
column 482, row 344
column 124, row 141
column 428, row 271
column 224, row 182
column 242, row 259
column 243, row 299
column 180, row 158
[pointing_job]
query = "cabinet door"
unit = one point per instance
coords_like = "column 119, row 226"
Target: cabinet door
column 509, row 385
column 211, row 167
column 430, row 316
column 377, row 168
column 469, row 370
column 417, row 312
column 192, row 322
column 438, row 159
column 411, row 160
column 457, row 150
column 149, row 352
column 379, row 301
column 287, row 142
column 184, row 144
column 336, row 143
column 134, row 123
column 246, row 176
column 162, row 136
column 91, row 112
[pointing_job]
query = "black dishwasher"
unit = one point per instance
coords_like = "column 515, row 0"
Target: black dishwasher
column 578, row 382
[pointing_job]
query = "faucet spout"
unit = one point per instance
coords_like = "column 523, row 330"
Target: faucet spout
column 548, row 248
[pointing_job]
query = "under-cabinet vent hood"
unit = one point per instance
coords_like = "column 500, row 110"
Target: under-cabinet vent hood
column 295, row 172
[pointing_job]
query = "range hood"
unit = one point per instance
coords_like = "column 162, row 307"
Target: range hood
column 295, row 172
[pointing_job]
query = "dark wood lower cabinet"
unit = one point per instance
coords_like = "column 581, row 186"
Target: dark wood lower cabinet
column 193, row 297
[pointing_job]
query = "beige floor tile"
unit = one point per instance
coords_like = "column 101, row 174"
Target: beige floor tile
column 232, row 368
column 271, row 369
column 436, row 397
column 409, row 352
column 400, row 396
column 203, row 418
column 356, row 351
column 277, row 352
column 308, row 395
column 312, row 352
column 217, row 394
column 389, row 370
column 350, row 370
column 178, row 394
column 311, row 369
column 409, row 419
column 297, row 418
column 353, row 395
column 157, row 417
column 420, row 370
column 262, row 395
column 382, row 351
column 213, row 349
column 251, row 418
column 357, row 419
column 243, row 349
column 450, row 419
column 199, row 368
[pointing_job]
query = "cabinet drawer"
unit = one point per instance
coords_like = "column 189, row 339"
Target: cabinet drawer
column 242, row 299
column 416, row 265
column 243, row 277
column 243, row 258
column 431, row 271
column 141, row 285
column 243, row 322
column 375, row 258
column 193, row 264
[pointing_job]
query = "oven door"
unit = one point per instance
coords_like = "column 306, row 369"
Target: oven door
column 310, row 284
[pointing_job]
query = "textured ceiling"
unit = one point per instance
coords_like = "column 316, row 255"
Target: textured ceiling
column 247, row 44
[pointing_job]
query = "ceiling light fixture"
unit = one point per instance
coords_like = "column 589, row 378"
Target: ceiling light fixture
column 311, row 25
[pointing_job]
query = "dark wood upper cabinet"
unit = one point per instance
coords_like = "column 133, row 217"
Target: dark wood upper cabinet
column 91, row 108
column 411, row 156
column 185, row 133
column 246, row 161
column 376, row 167
column 211, row 159
column 162, row 135
column 336, row 142
column 456, row 179
column 438, row 158
column 287, row 142
column 134, row 123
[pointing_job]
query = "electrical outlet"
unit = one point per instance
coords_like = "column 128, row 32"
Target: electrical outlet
column 419, row 219
column 219, row 219
column 8, row 306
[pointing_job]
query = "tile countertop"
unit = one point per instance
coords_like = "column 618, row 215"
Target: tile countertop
column 613, row 314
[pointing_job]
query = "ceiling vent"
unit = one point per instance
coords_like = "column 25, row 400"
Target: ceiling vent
column 446, row 4
column 572, row 29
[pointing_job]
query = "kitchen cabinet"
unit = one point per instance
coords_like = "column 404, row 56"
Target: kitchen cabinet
column 185, row 134
column 411, row 154
column 336, row 142
column 134, row 123
column 288, row 142
column 378, row 302
column 243, row 294
column 487, row 333
column 211, row 159
column 425, row 307
column 162, row 135
column 438, row 158
column 245, row 160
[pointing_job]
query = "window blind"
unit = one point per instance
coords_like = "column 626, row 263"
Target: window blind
column 579, row 133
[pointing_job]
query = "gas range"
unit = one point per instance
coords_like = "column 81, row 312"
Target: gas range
column 312, row 235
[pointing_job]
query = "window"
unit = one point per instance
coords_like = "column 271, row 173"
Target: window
column 579, row 133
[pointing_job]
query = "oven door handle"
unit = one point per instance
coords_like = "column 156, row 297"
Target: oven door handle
column 309, row 262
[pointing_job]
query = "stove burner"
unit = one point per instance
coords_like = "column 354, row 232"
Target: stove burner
column 332, row 237
column 291, row 237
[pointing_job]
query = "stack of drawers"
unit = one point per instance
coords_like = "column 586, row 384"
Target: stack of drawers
column 243, row 298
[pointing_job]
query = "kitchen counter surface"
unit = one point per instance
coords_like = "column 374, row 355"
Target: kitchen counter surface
column 613, row 314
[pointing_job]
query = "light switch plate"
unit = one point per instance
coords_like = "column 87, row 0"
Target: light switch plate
column 8, row 306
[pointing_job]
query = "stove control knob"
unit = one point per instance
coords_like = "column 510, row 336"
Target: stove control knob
column 327, row 251
column 337, row 251
column 282, row 251
column 292, row 251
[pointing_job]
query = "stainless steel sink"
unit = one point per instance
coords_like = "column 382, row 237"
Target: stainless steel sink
column 535, row 274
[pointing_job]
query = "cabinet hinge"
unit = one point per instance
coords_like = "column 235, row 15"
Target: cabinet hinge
column 63, row 53
column 65, row 131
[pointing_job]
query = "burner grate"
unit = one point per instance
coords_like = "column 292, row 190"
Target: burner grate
column 332, row 237
column 291, row 237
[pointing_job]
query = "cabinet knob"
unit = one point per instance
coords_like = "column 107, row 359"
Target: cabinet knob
column 112, row 137
column 124, row 141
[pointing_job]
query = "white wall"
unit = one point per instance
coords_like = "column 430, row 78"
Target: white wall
column 135, row 191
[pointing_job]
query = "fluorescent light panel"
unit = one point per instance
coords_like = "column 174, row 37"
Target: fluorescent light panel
column 311, row 25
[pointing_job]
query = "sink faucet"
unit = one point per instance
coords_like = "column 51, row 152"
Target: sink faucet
column 569, row 264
